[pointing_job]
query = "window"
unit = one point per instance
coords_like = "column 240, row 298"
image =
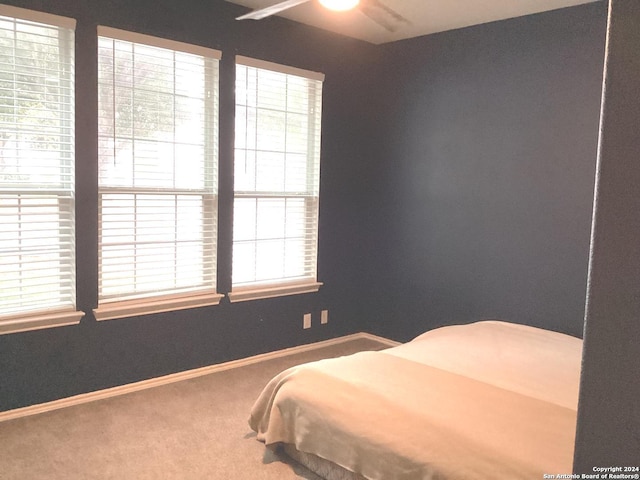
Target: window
column 276, row 186
column 158, row 144
column 37, row 257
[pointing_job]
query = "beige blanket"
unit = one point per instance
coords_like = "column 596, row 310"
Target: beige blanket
column 391, row 418
column 533, row 361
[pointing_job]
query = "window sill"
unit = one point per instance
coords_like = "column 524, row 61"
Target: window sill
column 256, row 293
column 38, row 321
column 147, row 306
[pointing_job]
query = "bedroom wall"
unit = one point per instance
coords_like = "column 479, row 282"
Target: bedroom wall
column 611, row 359
column 44, row 365
column 457, row 179
column 490, row 137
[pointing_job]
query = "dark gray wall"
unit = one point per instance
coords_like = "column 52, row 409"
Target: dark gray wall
column 489, row 145
column 609, row 409
column 49, row 364
column 457, row 178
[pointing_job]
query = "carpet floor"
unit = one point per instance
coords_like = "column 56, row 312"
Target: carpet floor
column 194, row 429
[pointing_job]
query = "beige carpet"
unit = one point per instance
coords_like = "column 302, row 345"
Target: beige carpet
column 194, row 429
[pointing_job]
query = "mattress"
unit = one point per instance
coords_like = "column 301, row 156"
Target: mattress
column 476, row 401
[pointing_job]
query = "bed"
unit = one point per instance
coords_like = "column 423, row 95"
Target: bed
column 489, row 399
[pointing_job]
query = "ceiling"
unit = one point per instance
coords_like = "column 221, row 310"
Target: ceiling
column 424, row 16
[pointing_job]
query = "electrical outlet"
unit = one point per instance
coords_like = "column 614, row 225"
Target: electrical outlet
column 324, row 317
column 306, row 321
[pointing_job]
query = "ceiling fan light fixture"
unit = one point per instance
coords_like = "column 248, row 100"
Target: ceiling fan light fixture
column 339, row 5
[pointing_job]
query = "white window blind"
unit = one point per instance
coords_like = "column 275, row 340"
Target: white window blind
column 277, row 169
column 37, row 256
column 158, row 144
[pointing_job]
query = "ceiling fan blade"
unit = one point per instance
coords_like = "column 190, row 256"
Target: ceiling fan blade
column 272, row 10
column 383, row 15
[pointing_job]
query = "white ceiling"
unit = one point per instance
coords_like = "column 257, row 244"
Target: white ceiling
column 424, row 16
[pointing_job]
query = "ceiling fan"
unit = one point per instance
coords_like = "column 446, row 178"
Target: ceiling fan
column 374, row 9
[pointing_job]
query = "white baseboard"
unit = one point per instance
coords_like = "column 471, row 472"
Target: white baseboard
column 177, row 377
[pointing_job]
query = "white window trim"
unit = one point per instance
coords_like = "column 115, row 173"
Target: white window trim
column 277, row 67
column 39, row 321
column 243, row 294
column 38, row 17
column 150, row 305
column 276, row 288
column 54, row 317
column 135, row 37
column 119, row 308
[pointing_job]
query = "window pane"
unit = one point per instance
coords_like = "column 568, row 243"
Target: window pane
column 272, row 132
column 244, row 262
column 271, row 218
column 244, row 224
column 270, row 256
column 270, row 168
